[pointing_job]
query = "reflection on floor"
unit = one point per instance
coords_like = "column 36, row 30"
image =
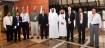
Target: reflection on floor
column 51, row 43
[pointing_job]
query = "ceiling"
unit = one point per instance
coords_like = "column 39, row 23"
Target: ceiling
column 10, row 0
column 78, row 3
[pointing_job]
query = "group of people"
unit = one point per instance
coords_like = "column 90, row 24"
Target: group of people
column 61, row 25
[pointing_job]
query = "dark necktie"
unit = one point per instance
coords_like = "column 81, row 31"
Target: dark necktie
column 80, row 17
column 43, row 15
column 17, row 19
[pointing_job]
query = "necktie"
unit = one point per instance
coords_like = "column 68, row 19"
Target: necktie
column 80, row 17
column 43, row 15
column 17, row 19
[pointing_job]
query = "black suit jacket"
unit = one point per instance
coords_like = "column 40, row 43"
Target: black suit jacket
column 72, row 17
column 43, row 21
column 15, row 21
column 84, row 22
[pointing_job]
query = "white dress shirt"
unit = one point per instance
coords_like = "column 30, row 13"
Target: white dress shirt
column 25, row 17
column 81, row 17
column 7, row 21
column 94, row 20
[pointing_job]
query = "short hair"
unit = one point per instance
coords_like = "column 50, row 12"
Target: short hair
column 94, row 8
column 43, row 9
column 80, row 8
column 70, row 6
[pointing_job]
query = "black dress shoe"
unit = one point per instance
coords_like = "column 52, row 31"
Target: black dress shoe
column 65, row 37
column 14, row 40
column 37, row 37
column 72, row 40
column 46, row 37
column 79, row 42
column 19, row 39
column 24, row 39
column 83, row 42
column 32, row 37
column 91, row 45
column 67, row 40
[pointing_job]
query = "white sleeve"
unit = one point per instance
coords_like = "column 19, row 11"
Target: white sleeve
column 28, row 18
column 89, row 19
column 100, row 22
column 4, row 22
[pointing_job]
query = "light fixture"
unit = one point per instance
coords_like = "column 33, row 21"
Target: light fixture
column 0, row 1
column 53, row 3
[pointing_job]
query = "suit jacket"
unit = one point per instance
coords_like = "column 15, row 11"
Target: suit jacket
column 15, row 21
column 84, row 22
column 43, row 20
column 72, row 17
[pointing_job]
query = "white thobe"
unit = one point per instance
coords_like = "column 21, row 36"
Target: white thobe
column 62, row 28
column 53, row 25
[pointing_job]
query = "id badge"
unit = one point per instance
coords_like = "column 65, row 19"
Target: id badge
column 18, row 24
column 35, row 18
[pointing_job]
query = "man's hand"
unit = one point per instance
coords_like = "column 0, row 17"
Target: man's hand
column 6, row 29
column 99, row 29
column 46, row 24
column 62, row 23
column 69, row 22
column 87, row 28
column 39, row 24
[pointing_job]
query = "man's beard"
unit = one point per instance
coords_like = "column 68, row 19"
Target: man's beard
column 62, row 12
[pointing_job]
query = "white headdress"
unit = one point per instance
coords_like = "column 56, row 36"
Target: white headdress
column 54, row 10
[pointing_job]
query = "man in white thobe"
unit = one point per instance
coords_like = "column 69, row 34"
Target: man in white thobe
column 62, row 24
column 53, row 24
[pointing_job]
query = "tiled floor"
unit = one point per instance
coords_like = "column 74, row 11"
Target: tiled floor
column 48, row 43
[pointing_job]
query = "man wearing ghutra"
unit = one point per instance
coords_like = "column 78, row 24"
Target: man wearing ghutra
column 62, row 24
column 53, row 24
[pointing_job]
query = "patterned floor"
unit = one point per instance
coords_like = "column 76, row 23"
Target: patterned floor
column 48, row 43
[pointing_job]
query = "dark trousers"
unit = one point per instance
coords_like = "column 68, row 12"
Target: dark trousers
column 9, row 33
column 17, row 32
column 81, row 29
column 70, row 32
column 25, row 27
column 43, row 31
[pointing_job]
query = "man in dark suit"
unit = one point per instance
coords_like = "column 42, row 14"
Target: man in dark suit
column 70, row 16
column 17, row 26
column 43, row 22
column 81, row 23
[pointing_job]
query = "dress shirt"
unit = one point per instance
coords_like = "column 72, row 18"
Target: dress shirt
column 81, row 17
column 94, row 20
column 69, row 13
column 25, row 17
column 7, row 21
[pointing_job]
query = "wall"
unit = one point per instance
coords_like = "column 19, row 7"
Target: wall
column 31, row 3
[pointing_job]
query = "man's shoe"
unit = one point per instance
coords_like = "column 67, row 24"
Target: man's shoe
column 91, row 45
column 79, row 42
column 67, row 40
column 83, row 42
column 32, row 37
column 72, row 40
column 37, row 37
